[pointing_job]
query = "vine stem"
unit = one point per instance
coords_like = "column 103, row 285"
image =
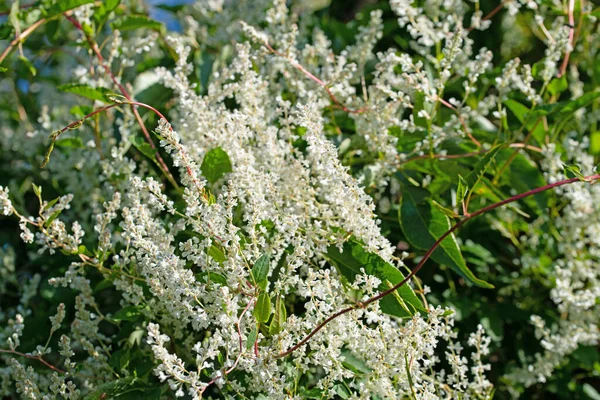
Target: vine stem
column 563, row 67
column 32, row 357
column 491, row 14
column 412, row 273
column 21, row 37
column 462, row 121
column 317, row 80
column 94, row 46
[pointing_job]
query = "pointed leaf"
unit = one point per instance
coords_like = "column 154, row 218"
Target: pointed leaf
column 131, row 22
column 262, row 308
column 99, row 93
column 353, row 257
column 479, row 169
column 216, row 163
column 423, row 225
column 260, row 270
column 279, row 317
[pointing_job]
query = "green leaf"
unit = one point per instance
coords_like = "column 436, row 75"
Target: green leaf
column 205, row 277
column 423, row 225
column 352, row 363
column 102, row 11
column 450, row 213
column 50, row 204
column 3, row 69
column 6, row 30
column 353, row 258
column 29, row 65
column 52, row 218
column 144, row 148
column 573, row 171
column 127, row 313
column 524, row 175
column 110, row 389
column 252, row 338
column 564, row 109
column 279, row 317
column 217, row 254
column 216, row 163
column 131, row 22
column 526, row 117
column 70, row 143
column 260, row 270
column 558, row 85
column 480, row 168
column 595, row 143
column 59, row 7
column 37, row 190
column 99, row 93
column 262, row 308
column 461, row 191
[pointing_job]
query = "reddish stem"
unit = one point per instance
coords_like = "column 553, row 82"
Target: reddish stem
column 317, row 80
column 430, row 252
column 563, row 67
column 462, row 121
column 490, row 15
column 32, row 357
column 125, row 93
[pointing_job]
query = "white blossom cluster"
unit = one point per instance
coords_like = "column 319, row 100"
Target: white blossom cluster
column 182, row 258
column 576, row 290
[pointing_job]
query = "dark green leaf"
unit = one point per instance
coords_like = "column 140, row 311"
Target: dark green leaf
column 354, row 257
column 423, row 225
column 527, row 118
column 216, row 163
column 206, row 277
column 29, row 65
column 6, row 31
column 144, row 148
column 524, row 175
column 564, row 109
column 260, row 270
column 131, row 22
column 127, row 313
column 480, row 168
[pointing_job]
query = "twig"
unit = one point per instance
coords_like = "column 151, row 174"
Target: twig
column 32, row 357
column 317, row 80
column 430, row 251
column 239, row 330
column 19, row 38
column 94, row 46
column 462, row 121
column 490, row 15
column 565, row 62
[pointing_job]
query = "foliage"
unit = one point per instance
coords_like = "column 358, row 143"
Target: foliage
column 299, row 199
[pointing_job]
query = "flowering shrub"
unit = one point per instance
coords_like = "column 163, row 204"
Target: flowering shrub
column 279, row 199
